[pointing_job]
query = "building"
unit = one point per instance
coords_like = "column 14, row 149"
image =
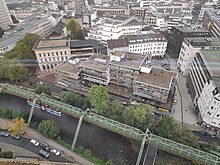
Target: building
column 59, row 31
column 190, row 47
column 112, row 10
column 50, row 53
column 205, row 7
column 5, row 19
column 211, row 21
column 177, row 35
column 152, row 45
column 113, row 27
column 124, row 74
column 36, row 24
column 203, row 82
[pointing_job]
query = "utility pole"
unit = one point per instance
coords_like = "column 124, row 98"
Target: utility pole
column 32, row 111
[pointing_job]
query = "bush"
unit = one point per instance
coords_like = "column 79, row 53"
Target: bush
column 6, row 113
column 42, row 89
column 49, row 128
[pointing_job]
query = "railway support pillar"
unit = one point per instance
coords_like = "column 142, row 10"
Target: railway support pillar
column 32, row 111
column 77, row 131
column 142, row 147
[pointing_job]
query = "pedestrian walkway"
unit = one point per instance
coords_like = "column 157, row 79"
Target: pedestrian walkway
column 30, row 133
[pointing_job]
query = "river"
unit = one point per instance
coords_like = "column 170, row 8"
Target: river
column 103, row 143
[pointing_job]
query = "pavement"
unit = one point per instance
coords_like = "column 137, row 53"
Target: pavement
column 30, row 133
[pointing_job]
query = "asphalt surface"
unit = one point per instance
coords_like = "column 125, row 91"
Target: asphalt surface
column 150, row 155
column 208, row 139
column 25, row 143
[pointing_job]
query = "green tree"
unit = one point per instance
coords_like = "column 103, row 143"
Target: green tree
column 49, row 128
column 42, row 89
column 75, row 30
column 117, row 110
column 139, row 117
column 14, row 20
column 16, row 72
column 99, row 98
column 1, row 32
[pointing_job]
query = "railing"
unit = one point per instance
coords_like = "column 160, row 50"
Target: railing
column 120, row 128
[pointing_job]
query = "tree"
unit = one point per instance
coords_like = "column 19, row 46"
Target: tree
column 139, row 117
column 42, row 89
column 1, row 32
column 99, row 98
column 116, row 110
column 49, row 128
column 14, row 20
column 18, row 126
column 75, row 30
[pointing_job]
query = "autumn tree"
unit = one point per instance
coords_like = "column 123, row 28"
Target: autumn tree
column 99, row 98
column 18, row 126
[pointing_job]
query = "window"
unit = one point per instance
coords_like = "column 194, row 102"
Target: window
column 39, row 54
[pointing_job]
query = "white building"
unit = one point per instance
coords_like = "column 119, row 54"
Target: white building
column 205, row 7
column 204, row 86
column 153, row 45
column 190, row 47
column 40, row 25
column 114, row 27
column 5, row 18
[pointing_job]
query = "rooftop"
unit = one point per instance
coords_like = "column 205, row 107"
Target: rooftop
column 97, row 61
column 83, row 43
column 201, row 41
column 129, row 60
column 157, row 77
column 41, row 44
column 145, row 38
column 187, row 30
column 212, row 57
column 117, row 43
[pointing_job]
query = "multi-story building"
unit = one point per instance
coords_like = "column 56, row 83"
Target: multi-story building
column 152, row 45
column 211, row 21
column 96, row 69
column 50, row 53
column 177, row 35
column 205, row 7
column 112, row 10
column 5, row 19
column 113, row 27
column 154, row 84
column 34, row 24
column 190, row 47
column 203, row 82
column 123, row 73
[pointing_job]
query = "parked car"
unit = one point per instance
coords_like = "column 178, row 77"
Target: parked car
column 45, row 147
column 44, row 153
column 5, row 134
column 17, row 137
column 204, row 133
column 35, row 143
column 55, row 152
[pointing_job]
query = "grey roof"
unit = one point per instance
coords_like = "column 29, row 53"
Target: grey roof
column 82, row 43
column 204, row 41
column 59, row 27
column 212, row 57
column 184, row 29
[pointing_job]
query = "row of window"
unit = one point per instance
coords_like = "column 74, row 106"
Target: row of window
column 146, row 52
column 52, row 54
column 53, row 59
column 145, row 45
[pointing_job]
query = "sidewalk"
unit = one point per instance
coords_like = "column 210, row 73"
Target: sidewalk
column 30, row 133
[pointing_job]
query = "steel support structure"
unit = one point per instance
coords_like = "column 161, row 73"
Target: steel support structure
column 120, row 128
column 142, row 147
column 77, row 131
column 32, row 111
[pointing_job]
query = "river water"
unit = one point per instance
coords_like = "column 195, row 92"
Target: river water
column 103, row 143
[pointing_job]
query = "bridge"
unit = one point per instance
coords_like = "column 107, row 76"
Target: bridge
column 167, row 145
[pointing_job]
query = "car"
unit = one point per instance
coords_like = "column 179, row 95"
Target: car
column 35, row 143
column 55, row 152
column 17, row 137
column 44, row 153
column 204, row 133
column 4, row 134
column 45, row 147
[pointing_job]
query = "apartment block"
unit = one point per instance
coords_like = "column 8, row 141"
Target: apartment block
column 152, row 45
column 203, row 82
column 5, row 19
column 190, row 47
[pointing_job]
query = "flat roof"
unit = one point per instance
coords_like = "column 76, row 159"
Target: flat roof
column 97, row 61
column 145, row 38
column 157, row 77
column 83, row 43
column 68, row 68
column 212, row 57
column 41, row 44
column 203, row 41
column 117, row 43
column 129, row 60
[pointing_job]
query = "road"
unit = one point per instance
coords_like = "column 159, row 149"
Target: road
column 101, row 142
column 207, row 139
column 150, row 155
column 25, row 143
